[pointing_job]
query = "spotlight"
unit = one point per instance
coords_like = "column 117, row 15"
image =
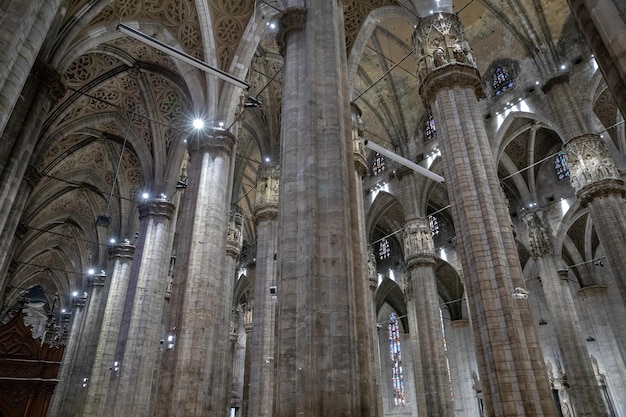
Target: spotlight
column 198, row 124
column 112, row 241
column 91, row 271
column 520, row 293
column 75, row 294
column 145, row 196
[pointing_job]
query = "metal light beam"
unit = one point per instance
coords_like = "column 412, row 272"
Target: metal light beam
column 409, row 164
column 191, row 60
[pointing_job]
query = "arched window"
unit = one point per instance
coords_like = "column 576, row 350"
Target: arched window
column 434, row 225
column 502, row 80
column 384, row 250
column 560, row 166
column 430, row 131
column 396, row 360
column 378, row 164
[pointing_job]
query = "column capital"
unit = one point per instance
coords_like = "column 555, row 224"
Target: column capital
column 358, row 149
column 97, row 280
column 592, row 170
column 51, row 78
column 124, row 250
column 268, row 187
column 211, row 139
column 592, row 290
column 156, row 207
column 449, row 76
column 292, row 19
column 538, row 235
column 459, row 323
column 419, row 248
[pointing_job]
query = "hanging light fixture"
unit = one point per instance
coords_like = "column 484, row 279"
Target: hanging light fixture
column 173, row 52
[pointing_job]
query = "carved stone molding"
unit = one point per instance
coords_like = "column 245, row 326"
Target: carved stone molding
column 213, row 139
column 126, row 251
column 358, row 148
column 592, row 291
column 449, row 76
column 291, row 19
column 556, row 78
column 158, row 207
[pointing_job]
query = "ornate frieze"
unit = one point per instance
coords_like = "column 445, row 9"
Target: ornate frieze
column 592, row 169
column 291, row 19
column 538, row 235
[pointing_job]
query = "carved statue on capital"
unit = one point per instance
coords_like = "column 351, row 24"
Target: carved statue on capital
column 440, row 40
column 235, row 235
column 268, row 187
column 418, row 239
column 590, row 164
column 372, row 272
column 538, row 235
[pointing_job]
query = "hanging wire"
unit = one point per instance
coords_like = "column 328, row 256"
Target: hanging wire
column 117, row 169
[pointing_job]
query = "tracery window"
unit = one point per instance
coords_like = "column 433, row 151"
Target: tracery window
column 430, row 131
column 378, row 164
column 396, row 360
column 502, row 80
column 384, row 250
column 560, row 166
column 434, row 225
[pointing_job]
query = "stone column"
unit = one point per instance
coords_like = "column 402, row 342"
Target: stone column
column 431, row 375
column 317, row 370
column 512, row 373
column 72, row 325
column 17, row 142
column 599, row 187
column 604, row 26
column 223, row 369
column 103, row 369
column 585, row 394
column 364, row 301
column 25, row 26
column 74, row 395
column 132, row 392
column 203, row 290
column 13, row 232
column 261, row 393
column 462, row 361
column 248, row 328
column 603, row 341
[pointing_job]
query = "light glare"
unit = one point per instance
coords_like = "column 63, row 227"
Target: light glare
column 198, row 123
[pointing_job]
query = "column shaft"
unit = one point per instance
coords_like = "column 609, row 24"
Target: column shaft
column 431, row 376
column 462, row 365
column 138, row 348
column 203, row 289
column 514, row 381
column 103, row 369
column 317, row 369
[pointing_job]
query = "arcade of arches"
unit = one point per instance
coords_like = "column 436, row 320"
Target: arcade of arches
column 172, row 244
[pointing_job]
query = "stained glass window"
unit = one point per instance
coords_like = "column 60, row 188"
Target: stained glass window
column 384, row 251
column 430, row 131
column 396, row 360
column 560, row 166
column 502, row 80
column 378, row 164
column 434, row 225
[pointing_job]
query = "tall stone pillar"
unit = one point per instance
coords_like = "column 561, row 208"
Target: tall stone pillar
column 599, row 187
column 261, row 393
column 317, row 369
column 203, row 289
column 364, row 301
column 103, row 368
column 584, row 392
column 248, row 327
column 25, row 26
column 17, row 142
column 431, row 375
column 462, row 363
column 138, row 348
column 603, row 22
column 603, row 341
column 73, row 325
column 74, row 395
column 512, row 374
column 223, row 369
